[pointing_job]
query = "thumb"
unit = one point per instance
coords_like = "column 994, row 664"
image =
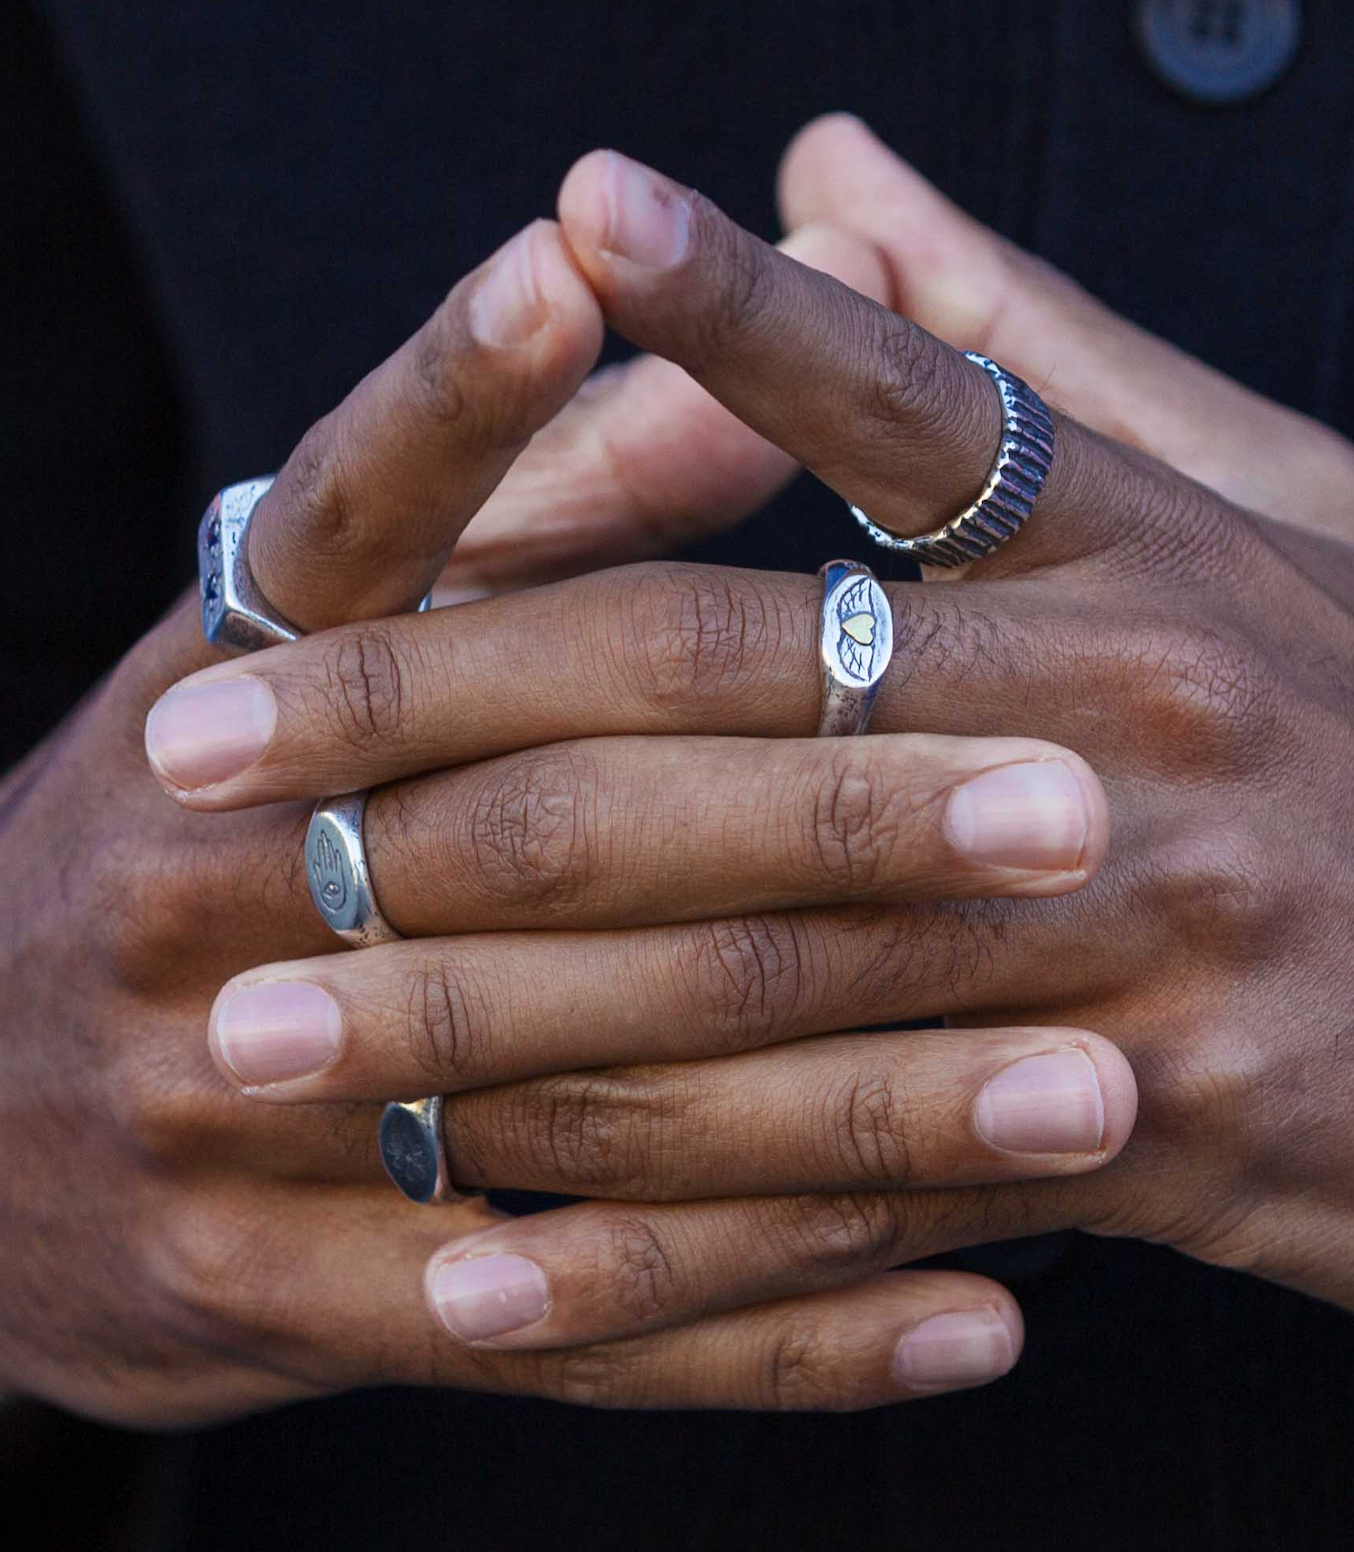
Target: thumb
column 977, row 291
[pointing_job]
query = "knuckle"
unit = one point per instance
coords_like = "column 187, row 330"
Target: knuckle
column 530, row 831
column 636, row 1265
column 219, row 1275
column 1223, row 905
column 580, row 1130
column 130, row 889
column 749, row 282
column 695, row 634
column 954, row 641
column 795, row 1372
column 163, row 1119
column 912, row 380
column 748, row 978
column 853, row 827
column 1208, row 692
column 591, row 1377
column 314, row 495
column 434, row 377
column 907, row 376
column 867, row 1131
column 839, row 1235
column 1208, row 1096
column 366, row 677
column 440, row 1024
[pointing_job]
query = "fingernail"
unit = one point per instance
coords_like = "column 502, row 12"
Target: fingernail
column 647, row 219
column 199, row 734
column 506, row 306
column 1043, row 1104
column 950, row 1351
column 480, row 1297
column 275, row 1030
column 1020, row 816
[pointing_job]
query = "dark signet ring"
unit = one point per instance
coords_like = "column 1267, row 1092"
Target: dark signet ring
column 855, row 646
column 1024, row 457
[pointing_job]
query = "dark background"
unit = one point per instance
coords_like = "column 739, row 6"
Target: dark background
column 217, row 217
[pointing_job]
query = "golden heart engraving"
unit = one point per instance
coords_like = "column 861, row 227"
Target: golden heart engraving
column 860, row 628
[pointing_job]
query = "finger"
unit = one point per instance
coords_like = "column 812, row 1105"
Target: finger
column 889, row 416
column 444, row 1015
column 840, row 1112
column 365, row 512
column 327, row 1291
column 624, row 832
column 601, row 1271
column 656, row 649
column 362, row 517
column 977, row 291
column 897, row 1337
column 642, row 461
column 598, row 1271
column 679, row 649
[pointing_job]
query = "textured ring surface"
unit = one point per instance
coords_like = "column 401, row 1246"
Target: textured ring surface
column 855, row 646
column 336, row 870
column 235, row 614
column 413, row 1151
column 1013, row 483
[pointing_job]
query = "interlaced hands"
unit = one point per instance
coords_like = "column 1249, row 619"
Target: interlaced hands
column 1095, row 829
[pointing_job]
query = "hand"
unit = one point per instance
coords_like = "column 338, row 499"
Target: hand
column 170, row 1253
column 641, row 462
column 1133, row 620
column 976, row 291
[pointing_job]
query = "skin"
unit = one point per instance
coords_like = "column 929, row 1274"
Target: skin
column 1203, row 947
column 235, row 1243
column 177, row 1254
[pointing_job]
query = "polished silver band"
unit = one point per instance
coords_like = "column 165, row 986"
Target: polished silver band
column 855, row 645
column 336, row 870
column 1023, row 459
column 235, row 614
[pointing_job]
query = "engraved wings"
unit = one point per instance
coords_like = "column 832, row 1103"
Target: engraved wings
column 857, row 635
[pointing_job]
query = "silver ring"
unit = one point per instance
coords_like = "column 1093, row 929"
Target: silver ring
column 855, row 646
column 237, row 617
column 235, row 614
column 1014, row 481
column 413, row 1150
column 412, row 1146
column 336, row 870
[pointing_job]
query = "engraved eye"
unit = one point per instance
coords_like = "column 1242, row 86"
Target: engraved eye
column 858, row 630
column 330, row 875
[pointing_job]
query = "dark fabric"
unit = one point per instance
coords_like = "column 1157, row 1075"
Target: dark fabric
column 218, row 216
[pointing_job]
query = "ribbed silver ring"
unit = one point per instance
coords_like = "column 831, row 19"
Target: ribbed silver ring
column 1010, row 492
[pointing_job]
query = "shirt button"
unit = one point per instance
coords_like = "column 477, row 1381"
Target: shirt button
column 1219, row 51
